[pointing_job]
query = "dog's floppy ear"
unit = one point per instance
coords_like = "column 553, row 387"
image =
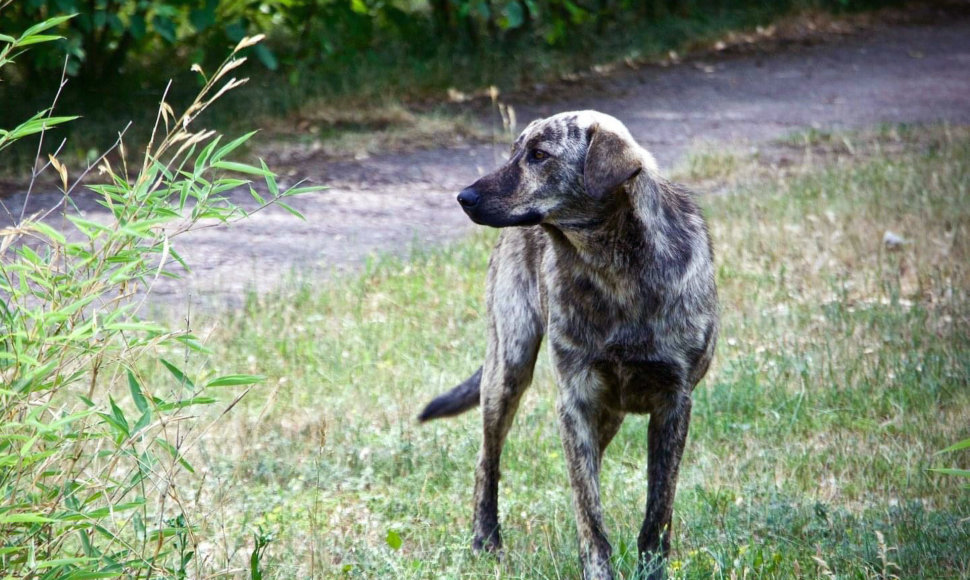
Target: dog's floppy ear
column 610, row 162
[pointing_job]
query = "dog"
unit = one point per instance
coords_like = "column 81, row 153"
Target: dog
column 613, row 265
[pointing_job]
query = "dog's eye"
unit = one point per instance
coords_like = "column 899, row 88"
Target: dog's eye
column 539, row 154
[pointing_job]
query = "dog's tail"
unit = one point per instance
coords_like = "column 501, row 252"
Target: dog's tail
column 456, row 401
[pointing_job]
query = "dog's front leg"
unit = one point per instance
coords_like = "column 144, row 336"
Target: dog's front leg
column 667, row 435
column 579, row 423
column 512, row 350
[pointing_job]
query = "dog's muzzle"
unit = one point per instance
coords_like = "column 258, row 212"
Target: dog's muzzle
column 485, row 215
column 468, row 198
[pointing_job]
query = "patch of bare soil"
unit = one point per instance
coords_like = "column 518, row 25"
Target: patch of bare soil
column 735, row 96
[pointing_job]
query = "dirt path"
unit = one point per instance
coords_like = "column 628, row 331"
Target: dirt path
column 898, row 74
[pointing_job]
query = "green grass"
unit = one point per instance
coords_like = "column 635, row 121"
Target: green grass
column 842, row 368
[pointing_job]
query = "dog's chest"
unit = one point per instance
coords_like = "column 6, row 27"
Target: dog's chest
column 590, row 309
column 617, row 334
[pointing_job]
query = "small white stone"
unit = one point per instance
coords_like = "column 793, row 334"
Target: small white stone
column 892, row 240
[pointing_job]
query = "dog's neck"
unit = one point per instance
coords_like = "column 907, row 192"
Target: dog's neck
column 609, row 239
column 630, row 232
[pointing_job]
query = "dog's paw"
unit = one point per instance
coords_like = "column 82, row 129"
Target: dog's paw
column 489, row 543
column 651, row 567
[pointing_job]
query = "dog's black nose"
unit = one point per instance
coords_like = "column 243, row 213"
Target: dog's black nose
column 468, row 197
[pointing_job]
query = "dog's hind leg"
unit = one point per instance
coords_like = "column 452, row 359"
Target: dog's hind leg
column 503, row 383
column 515, row 332
column 667, row 434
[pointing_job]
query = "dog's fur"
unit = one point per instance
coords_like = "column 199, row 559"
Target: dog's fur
column 613, row 265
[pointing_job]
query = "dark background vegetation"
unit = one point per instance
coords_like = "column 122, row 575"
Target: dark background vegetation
column 346, row 53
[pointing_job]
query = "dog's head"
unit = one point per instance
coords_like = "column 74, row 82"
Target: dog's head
column 563, row 168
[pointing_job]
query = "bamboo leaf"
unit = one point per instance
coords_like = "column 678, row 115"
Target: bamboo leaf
column 303, row 190
column 64, row 562
column 119, row 416
column 241, row 168
column 37, row 39
column 235, row 380
column 25, row 519
column 46, row 25
column 186, row 403
column 178, row 374
column 175, row 454
column 36, row 125
column 271, row 184
column 49, row 232
column 140, row 401
column 230, row 147
column 202, row 161
column 290, row 209
column 143, row 421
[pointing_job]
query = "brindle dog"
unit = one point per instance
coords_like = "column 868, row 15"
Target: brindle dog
column 613, row 264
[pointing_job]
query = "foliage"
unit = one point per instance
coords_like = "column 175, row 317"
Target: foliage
column 93, row 440
column 361, row 23
column 105, row 33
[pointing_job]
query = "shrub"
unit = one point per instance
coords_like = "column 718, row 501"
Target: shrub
column 103, row 35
